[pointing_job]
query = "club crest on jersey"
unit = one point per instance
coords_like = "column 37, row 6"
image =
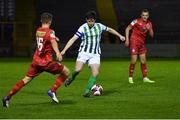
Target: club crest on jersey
column 143, row 29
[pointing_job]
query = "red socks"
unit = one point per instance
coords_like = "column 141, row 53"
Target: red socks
column 59, row 81
column 144, row 70
column 131, row 69
column 16, row 88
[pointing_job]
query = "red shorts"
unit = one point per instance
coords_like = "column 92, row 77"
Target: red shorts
column 52, row 67
column 136, row 49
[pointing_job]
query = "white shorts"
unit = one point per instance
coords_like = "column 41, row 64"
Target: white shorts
column 88, row 58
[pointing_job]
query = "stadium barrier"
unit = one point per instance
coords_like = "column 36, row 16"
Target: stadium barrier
column 154, row 50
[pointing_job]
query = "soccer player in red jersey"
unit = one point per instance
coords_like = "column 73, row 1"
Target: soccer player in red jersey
column 140, row 28
column 43, row 61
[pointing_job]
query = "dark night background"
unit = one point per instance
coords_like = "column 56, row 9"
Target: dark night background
column 19, row 19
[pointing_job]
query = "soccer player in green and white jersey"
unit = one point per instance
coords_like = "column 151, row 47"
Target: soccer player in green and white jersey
column 89, row 50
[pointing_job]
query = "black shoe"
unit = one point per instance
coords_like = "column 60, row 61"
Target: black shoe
column 68, row 82
column 5, row 101
column 87, row 95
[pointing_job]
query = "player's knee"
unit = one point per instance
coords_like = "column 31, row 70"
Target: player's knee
column 78, row 70
column 66, row 71
column 95, row 73
column 27, row 79
column 143, row 61
column 133, row 61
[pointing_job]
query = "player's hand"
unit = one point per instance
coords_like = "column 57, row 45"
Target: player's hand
column 63, row 52
column 127, row 43
column 57, row 39
column 122, row 38
column 59, row 56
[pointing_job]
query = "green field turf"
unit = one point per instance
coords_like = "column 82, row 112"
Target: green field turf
column 119, row 100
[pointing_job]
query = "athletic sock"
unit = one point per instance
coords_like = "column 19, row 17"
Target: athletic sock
column 16, row 88
column 74, row 74
column 131, row 69
column 144, row 70
column 59, row 81
column 91, row 82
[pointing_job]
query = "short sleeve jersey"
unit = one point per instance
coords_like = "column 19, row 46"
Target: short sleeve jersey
column 44, row 50
column 140, row 28
column 91, row 37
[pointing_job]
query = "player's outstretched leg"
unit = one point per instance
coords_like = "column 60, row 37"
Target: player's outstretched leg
column 70, row 80
column 14, row 90
column 52, row 92
column 59, row 81
column 78, row 68
column 92, row 79
column 91, row 82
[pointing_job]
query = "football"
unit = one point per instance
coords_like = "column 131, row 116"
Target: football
column 97, row 90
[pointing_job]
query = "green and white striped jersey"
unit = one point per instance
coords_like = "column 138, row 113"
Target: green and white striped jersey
column 91, row 37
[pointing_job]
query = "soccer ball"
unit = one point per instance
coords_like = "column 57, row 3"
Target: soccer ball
column 97, row 90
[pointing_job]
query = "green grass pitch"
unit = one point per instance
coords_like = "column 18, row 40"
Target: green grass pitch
column 119, row 100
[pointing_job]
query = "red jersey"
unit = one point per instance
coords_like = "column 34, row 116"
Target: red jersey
column 140, row 28
column 44, row 50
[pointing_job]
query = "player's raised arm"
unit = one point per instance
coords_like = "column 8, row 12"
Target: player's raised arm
column 69, row 44
column 114, row 32
column 56, row 49
column 127, row 35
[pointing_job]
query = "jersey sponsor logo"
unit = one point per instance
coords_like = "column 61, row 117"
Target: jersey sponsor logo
column 40, row 33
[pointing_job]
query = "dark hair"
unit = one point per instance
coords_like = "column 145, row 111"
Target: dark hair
column 144, row 10
column 91, row 15
column 46, row 17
